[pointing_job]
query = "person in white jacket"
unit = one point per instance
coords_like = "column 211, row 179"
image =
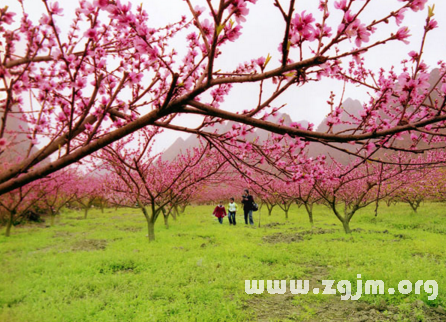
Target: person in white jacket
column 232, row 210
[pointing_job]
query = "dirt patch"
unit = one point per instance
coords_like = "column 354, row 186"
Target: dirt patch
column 429, row 256
column 283, row 238
column 298, row 236
column 89, row 245
column 402, row 236
column 277, row 307
column 130, row 228
column 325, row 308
column 353, row 311
column 121, row 217
column 360, row 230
column 119, row 266
column 209, row 240
column 273, row 224
column 273, row 307
column 181, row 248
column 62, row 233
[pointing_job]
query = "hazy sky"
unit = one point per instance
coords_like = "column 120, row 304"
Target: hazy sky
column 261, row 36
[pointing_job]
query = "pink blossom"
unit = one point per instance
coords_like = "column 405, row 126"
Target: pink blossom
column 332, row 120
column 118, row 123
column 432, row 25
column 402, row 34
column 44, row 20
column 399, row 16
column 232, row 33
column 103, row 4
column 192, row 36
column 91, row 33
column 3, row 143
column 370, row 147
column 89, row 127
column 349, row 17
column 199, row 10
column 413, row 55
column 302, row 23
column 6, row 17
column 326, row 32
column 55, row 9
column 362, row 35
column 416, row 5
column 208, row 28
column 341, row 5
column 124, row 8
column 240, row 10
column 423, row 81
column 80, row 83
column 153, row 53
column 61, row 117
column 135, row 78
column 260, row 61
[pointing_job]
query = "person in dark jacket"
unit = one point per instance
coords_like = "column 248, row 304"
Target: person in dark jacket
column 247, row 201
column 220, row 212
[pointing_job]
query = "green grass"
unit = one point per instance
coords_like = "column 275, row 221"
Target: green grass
column 104, row 269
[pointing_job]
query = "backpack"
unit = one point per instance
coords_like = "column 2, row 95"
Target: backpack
column 254, row 207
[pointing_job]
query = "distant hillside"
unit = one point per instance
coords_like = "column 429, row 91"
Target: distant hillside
column 19, row 143
column 351, row 109
column 181, row 145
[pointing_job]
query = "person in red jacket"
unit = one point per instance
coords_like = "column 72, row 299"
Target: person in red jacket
column 220, row 212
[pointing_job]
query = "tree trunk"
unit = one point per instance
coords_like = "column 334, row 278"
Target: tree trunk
column 166, row 221
column 309, row 209
column 414, row 205
column 9, row 224
column 286, row 213
column 175, row 213
column 151, row 226
column 150, row 222
column 346, row 225
column 53, row 216
column 270, row 209
column 85, row 212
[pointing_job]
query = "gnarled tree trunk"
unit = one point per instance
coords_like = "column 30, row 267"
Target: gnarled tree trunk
column 9, row 223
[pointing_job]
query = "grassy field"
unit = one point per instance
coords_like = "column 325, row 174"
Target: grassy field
column 104, row 269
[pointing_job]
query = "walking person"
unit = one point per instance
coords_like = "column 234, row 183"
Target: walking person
column 232, row 210
column 220, row 212
column 247, row 201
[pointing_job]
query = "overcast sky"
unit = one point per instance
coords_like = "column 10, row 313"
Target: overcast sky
column 261, row 36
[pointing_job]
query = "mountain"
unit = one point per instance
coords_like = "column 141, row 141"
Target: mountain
column 351, row 109
column 181, row 145
column 15, row 134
